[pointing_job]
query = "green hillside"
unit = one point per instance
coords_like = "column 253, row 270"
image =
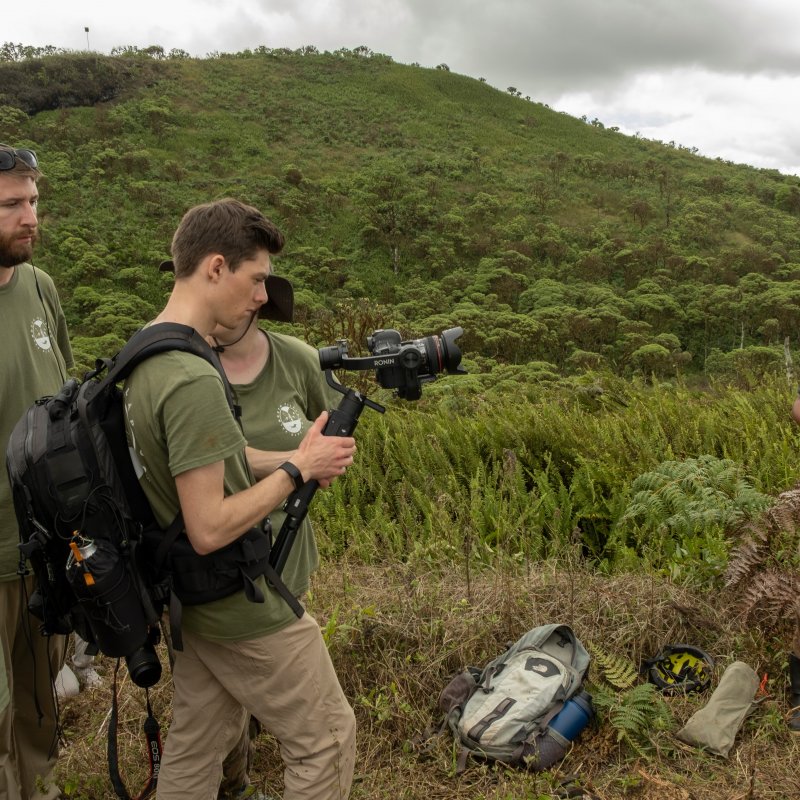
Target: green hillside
column 444, row 200
column 613, row 453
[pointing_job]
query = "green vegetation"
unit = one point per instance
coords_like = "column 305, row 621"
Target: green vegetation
column 548, row 238
column 629, row 311
column 660, row 472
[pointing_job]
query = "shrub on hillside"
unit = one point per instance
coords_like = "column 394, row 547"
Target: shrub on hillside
column 69, row 79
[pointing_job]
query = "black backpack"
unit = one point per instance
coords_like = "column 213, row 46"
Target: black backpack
column 83, row 518
column 104, row 567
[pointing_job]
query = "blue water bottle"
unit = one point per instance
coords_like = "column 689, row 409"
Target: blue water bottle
column 552, row 745
column 574, row 717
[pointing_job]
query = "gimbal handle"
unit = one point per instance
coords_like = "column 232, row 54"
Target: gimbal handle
column 341, row 422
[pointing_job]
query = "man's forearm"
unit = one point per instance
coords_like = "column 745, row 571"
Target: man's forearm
column 213, row 524
column 214, row 520
column 265, row 462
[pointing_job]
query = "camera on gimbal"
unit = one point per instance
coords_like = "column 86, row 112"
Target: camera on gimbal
column 399, row 365
column 402, row 366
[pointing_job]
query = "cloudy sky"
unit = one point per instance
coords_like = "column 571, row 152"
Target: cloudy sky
column 719, row 75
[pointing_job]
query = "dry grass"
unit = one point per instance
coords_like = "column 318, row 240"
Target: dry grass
column 397, row 635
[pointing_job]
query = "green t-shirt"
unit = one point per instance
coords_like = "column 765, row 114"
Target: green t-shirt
column 34, row 360
column 177, row 419
column 278, row 407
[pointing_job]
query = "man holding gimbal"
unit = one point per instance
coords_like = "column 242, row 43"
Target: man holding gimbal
column 238, row 656
column 281, row 389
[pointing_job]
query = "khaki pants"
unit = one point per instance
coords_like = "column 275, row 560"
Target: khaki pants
column 238, row 763
column 285, row 680
column 28, row 745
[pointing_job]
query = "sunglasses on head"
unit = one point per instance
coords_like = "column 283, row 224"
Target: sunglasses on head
column 8, row 158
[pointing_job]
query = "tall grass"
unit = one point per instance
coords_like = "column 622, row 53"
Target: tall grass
column 490, row 477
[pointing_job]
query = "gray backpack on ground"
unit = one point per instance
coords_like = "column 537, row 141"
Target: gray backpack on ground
column 502, row 712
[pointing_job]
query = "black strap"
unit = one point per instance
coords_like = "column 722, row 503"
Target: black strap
column 25, row 622
column 252, row 592
column 294, row 473
column 160, row 338
column 175, row 606
column 175, row 620
column 281, row 588
column 152, row 733
column 167, row 540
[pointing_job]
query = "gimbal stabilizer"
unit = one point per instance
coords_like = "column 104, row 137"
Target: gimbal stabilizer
column 402, row 366
column 341, row 422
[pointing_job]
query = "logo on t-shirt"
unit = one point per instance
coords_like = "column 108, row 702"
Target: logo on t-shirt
column 136, row 453
column 40, row 334
column 290, row 418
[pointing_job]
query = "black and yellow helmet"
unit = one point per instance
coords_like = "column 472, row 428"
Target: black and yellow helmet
column 680, row 668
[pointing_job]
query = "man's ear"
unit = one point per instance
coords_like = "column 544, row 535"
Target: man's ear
column 215, row 266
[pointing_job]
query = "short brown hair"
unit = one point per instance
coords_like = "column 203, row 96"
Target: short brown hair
column 228, row 227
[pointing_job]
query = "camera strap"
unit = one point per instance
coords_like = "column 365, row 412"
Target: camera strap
column 152, row 732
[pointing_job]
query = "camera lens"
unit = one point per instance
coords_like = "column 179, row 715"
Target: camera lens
column 331, row 357
column 451, row 352
column 144, row 666
column 442, row 352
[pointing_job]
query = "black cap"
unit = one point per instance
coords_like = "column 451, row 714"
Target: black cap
column 280, row 296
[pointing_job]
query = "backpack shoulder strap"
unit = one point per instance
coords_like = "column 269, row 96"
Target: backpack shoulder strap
column 160, row 338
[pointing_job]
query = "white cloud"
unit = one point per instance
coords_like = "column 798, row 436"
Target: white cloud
column 745, row 119
column 720, row 75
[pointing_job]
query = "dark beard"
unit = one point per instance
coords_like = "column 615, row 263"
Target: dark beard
column 13, row 254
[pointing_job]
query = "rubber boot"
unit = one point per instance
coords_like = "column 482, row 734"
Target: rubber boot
column 794, row 693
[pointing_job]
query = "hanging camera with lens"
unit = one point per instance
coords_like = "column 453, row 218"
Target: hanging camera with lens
column 106, row 588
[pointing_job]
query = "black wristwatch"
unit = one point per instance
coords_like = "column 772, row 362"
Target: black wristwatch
column 294, row 473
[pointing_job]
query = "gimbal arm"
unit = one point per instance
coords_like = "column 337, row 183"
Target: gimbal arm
column 341, row 422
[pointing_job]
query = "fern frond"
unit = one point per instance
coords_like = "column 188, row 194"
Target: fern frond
column 640, row 712
column 775, row 593
column 744, row 561
column 619, row 671
column 763, row 565
column 678, row 513
column 604, row 698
